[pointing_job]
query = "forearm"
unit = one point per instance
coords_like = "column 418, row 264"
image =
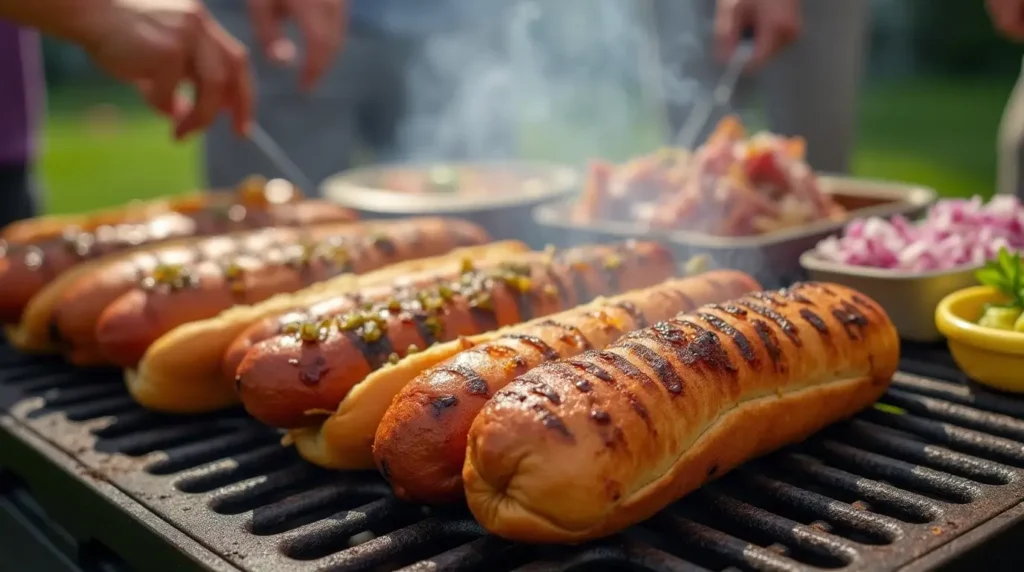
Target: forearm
column 70, row 20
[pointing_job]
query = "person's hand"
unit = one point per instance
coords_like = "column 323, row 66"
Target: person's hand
column 321, row 23
column 775, row 23
column 1008, row 17
column 158, row 45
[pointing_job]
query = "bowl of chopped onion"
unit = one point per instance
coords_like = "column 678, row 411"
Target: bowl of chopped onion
column 984, row 325
column 910, row 266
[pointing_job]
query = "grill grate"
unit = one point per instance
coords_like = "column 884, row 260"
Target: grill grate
column 875, row 492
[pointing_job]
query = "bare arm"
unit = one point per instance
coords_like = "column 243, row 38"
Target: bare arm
column 155, row 45
column 66, row 19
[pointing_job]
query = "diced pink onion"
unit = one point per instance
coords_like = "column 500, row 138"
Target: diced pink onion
column 953, row 233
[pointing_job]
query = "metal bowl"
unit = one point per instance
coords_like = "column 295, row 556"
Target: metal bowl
column 773, row 258
column 910, row 298
column 497, row 195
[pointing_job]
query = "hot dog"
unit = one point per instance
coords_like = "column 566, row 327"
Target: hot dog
column 293, row 380
column 334, row 306
column 65, row 314
column 25, row 269
column 583, row 447
column 420, row 444
column 128, row 326
column 181, row 371
column 251, row 190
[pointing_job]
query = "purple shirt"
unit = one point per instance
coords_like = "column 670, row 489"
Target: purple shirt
column 21, row 93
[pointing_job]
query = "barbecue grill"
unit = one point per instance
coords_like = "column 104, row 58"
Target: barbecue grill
column 934, row 477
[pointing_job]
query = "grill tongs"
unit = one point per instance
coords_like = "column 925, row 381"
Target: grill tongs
column 695, row 123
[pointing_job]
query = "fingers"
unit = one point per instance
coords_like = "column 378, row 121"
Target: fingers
column 1008, row 17
column 775, row 28
column 268, row 22
column 219, row 71
column 775, row 24
column 729, row 16
column 321, row 23
column 161, row 90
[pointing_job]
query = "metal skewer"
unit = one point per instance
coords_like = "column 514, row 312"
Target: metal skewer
column 279, row 159
column 721, row 96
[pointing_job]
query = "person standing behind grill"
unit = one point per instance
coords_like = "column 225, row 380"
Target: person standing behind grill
column 808, row 59
column 21, row 98
column 152, row 44
column 357, row 105
column 1008, row 19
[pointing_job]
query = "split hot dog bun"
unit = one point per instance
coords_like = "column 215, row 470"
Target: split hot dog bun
column 345, row 439
column 295, row 380
column 54, row 226
column 132, row 322
column 252, row 189
column 25, row 269
column 584, row 447
column 420, row 445
column 181, row 371
column 63, row 316
column 73, row 317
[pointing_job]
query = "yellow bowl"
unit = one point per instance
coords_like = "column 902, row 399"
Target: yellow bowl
column 987, row 355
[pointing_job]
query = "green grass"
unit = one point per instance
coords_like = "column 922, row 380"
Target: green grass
column 92, row 158
column 937, row 133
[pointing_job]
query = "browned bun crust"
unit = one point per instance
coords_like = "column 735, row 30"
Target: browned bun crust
column 421, row 441
column 581, row 448
column 128, row 326
column 292, row 380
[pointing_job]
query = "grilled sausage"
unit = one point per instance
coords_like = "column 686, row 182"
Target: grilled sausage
column 137, row 318
column 292, row 380
column 253, row 190
column 181, row 371
column 421, row 441
column 583, row 447
column 76, row 310
column 335, row 306
column 25, row 269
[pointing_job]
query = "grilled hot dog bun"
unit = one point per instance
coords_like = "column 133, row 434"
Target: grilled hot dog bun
column 420, row 444
column 74, row 315
column 584, row 447
column 130, row 324
column 337, row 305
column 181, row 371
column 251, row 190
column 25, row 269
column 293, row 380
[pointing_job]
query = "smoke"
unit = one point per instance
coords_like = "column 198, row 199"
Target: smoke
column 557, row 79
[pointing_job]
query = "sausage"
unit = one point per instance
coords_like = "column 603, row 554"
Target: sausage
column 137, row 318
column 181, row 371
column 82, row 298
column 289, row 381
column 583, row 447
column 420, row 445
column 335, row 306
column 253, row 190
column 26, row 268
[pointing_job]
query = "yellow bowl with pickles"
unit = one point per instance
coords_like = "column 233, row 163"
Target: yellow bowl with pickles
column 990, row 355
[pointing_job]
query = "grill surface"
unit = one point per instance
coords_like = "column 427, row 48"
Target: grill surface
column 877, row 492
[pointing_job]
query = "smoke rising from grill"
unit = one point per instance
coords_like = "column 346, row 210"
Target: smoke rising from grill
column 564, row 80
column 573, row 78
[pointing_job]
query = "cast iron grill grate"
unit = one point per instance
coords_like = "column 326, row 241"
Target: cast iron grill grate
column 939, row 458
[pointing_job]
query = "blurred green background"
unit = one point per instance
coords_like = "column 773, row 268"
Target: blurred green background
column 937, row 82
